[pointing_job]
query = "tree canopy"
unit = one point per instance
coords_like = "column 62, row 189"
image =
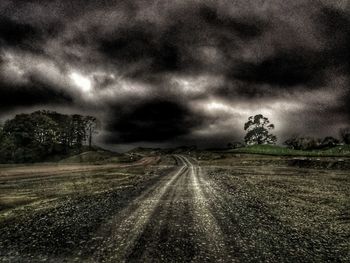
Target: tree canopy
column 310, row 143
column 345, row 135
column 258, row 128
column 41, row 134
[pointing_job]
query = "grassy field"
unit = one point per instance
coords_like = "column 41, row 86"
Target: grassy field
column 274, row 150
column 309, row 206
column 41, row 186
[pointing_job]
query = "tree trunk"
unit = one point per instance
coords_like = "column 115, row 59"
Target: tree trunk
column 90, row 137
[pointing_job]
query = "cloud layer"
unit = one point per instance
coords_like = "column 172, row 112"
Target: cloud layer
column 175, row 72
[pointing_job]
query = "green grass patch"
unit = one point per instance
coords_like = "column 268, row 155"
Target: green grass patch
column 343, row 150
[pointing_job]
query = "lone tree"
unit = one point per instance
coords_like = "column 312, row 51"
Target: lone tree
column 258, row 128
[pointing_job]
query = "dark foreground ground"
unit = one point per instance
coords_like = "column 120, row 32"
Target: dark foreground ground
column 177, row 209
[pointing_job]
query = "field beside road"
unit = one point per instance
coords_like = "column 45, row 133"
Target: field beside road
column 177, row 208
column 274, row 150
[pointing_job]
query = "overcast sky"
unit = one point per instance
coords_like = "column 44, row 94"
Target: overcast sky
column 166, row 73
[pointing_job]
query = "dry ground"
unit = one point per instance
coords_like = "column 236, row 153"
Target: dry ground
column 182, row 209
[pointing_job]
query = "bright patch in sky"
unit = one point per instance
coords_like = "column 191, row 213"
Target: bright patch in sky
column 218, row 106
column 81, row 82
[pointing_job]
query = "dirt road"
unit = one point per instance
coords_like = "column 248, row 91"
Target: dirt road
column 170, row 222
column 185, row 214
column 189, row 217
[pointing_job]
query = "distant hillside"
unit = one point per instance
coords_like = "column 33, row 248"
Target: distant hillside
column 175, row 150
column 89, row 157
column 101, row 156
column 142, row 151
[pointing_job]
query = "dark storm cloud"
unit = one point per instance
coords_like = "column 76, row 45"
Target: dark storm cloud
column 188, row 41
column 138, row 44
column 244, row 27
column 151, row 121
column 335, row 27
column 179, row 45
column 14, row 33
column 21, row 34
column 301, row 65
column 30, row 94
column 142, row 65
column 285, row 68
column 243, row 90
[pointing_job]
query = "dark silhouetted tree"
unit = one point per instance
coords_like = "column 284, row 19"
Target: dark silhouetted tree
column 7, row 146
column 92, row 125
column 235, row 145
column 329, row 142
column 41, row 134
column 292, row 142
column 345, row 135
column 310, row 143
column 258, row 128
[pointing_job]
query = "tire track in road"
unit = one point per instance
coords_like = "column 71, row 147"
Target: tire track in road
column 169, row 236
column 170, row 222
column 125, row 232
column 212, row 245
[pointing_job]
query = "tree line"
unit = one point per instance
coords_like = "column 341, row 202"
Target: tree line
column 42, row 134
column 309, row 143
column 37, row 136
column 259, row 129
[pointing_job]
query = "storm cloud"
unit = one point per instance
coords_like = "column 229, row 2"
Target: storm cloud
column 155, row 120
column 179, row 72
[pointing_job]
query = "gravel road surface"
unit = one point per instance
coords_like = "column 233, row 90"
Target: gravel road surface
column 184, row 213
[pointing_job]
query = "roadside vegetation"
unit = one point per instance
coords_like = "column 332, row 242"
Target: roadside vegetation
column 336, row 151
column 259, row 140
column 46, row 135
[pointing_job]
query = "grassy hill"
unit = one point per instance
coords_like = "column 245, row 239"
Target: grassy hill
column 343, row 150
column 89, row 157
